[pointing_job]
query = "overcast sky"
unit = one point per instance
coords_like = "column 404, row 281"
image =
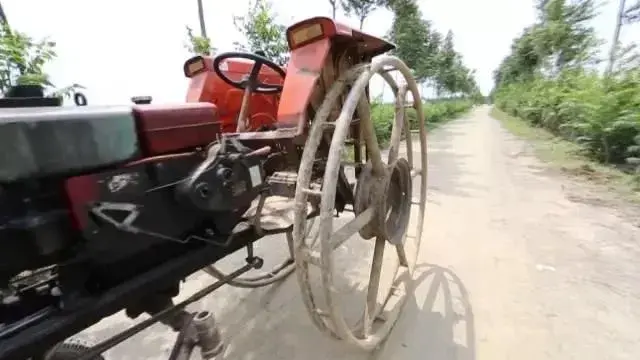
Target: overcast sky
column 122, row 48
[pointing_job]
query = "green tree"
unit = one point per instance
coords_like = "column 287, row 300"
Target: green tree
column 566, row 36
column 561, row 39
column 523, row 62
column 432, row 57
column 198, row 45
column 548, row 80
column 410, row 34
column 448, row 57
column 262, row 32
column 360, row 8
column 22, row 62
column 431, row 45
column 452, row 76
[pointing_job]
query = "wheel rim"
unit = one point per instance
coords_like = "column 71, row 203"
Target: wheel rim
column 369, row 207
column 276, row 274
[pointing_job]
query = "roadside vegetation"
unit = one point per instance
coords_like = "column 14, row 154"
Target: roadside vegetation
column 569, row 157
column 436, row 112
column 551, row 82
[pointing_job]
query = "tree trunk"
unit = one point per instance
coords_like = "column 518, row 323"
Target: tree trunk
column 616, row 36
column 3, row 16
column 203, row 29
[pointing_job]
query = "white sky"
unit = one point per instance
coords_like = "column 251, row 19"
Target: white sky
column 118, row 49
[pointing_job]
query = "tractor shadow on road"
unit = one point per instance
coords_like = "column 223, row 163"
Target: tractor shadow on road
column 437, row 323
column 441, row 327
column 273, row 323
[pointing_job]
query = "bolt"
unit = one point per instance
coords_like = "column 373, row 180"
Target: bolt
column 225, row 173
column 203, row 190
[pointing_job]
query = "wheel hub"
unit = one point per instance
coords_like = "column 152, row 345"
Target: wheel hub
column 390, row 196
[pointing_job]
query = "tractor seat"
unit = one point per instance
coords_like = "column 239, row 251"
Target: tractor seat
column 39, row 142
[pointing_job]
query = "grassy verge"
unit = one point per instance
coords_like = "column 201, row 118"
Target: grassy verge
column 436, row 114
column 566, row 156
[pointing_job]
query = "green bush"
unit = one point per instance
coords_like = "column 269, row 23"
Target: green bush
column 600, row 114
column 435, row 112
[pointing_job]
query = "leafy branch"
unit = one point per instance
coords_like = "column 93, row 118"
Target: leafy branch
column 22, row 62
column 198, row 45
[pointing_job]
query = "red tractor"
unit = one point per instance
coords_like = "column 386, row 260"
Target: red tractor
column 222, row 85
column 110, row 208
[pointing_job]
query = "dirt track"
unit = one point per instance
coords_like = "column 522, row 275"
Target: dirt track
column 510, row 269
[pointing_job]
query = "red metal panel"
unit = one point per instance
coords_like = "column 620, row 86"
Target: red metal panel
column 81, row 191
column 303, row 72
column 163, row 129
column 368, row 44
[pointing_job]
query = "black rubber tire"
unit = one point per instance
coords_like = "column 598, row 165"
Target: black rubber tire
column 70, row 351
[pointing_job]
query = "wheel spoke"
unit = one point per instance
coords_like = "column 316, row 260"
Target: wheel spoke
column 353, row 226
column 369, row 134
column 374, row 283
column 399, row 124
column 408, row 141
column 290, row 244
column 402, row 255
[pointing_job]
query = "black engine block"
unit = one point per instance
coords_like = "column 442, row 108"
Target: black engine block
column 113, row 226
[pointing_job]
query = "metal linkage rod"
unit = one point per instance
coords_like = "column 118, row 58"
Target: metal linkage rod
column 117, row 339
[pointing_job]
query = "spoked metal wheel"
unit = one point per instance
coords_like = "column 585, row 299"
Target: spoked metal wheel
column 390, row 199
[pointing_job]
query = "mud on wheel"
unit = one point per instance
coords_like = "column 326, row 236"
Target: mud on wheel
column 390, row 198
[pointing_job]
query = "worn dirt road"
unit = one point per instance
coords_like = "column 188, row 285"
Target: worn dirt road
column 517, row 263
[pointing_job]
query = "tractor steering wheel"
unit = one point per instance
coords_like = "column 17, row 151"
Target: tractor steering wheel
column 251, row 82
